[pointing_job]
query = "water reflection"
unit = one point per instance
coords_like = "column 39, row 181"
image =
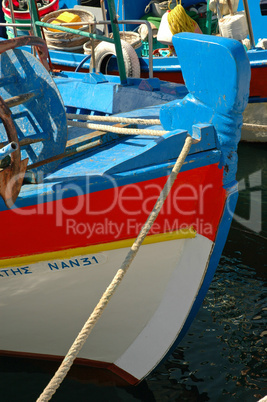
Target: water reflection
column 223, row 356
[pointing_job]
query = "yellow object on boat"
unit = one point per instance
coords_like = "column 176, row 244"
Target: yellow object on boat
column 66, row 17
column 179, row 21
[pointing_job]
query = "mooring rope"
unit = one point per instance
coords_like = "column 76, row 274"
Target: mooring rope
column 115, row 119
column 109, row 292
column 117, row 130
column 257, row 126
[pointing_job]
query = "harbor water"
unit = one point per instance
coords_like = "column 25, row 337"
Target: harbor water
column 222, row 358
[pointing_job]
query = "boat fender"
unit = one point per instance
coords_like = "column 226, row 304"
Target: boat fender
column 234, row 26
column 246, row 44
column 164, row 33
column 262, row 43
column 173, row 22
column 105, row 50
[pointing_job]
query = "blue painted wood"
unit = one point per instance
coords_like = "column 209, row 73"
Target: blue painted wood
column 212, row 84
column 150, row 151
column 215, row 96
column 109, row 96
column 43, row 116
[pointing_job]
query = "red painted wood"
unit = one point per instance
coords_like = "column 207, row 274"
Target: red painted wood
column 258, row 82
column 84, row 370
column 197, row 199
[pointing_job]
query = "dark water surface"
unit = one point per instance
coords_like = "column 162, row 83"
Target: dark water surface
column 223, row 356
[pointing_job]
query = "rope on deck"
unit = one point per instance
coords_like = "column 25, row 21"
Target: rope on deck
column 117, row 130
column 113, row 119
column 109, row 292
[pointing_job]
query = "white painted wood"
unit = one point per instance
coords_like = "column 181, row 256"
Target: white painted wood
column 161, row 331
column 43, row 311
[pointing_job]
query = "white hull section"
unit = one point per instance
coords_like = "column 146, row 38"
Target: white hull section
column 255, row 123
column 43, row 310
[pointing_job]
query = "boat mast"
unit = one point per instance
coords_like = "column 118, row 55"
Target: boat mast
column 117, row 40
column 34, row 17
column 250, row 30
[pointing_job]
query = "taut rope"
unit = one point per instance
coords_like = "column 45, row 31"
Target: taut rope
column 113, row 119
column 102, row 304
column 117, row 130
column 255, row 126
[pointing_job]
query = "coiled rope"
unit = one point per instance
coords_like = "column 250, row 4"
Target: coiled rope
column 117, row 130
column 102, row 304
column 179, row 21
column 113, row 119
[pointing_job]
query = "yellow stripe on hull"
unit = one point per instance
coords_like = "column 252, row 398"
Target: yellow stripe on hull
column 187, row 233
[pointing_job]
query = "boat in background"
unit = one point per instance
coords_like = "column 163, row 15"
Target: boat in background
column 255, row 116
column 75, row 196
column 169, row 69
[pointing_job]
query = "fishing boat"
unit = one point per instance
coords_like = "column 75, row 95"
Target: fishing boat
column 76, row 194
column 165, row 68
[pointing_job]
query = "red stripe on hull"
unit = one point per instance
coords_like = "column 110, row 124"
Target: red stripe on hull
column 84, row 370
column 258, row 82
column 116, row 214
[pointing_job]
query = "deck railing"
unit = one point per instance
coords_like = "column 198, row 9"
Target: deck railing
column 67, row 27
